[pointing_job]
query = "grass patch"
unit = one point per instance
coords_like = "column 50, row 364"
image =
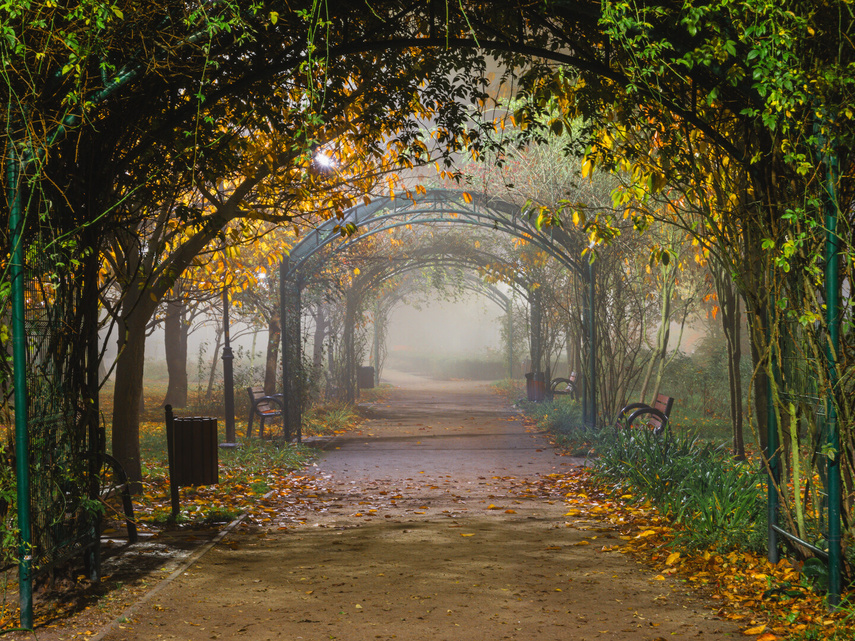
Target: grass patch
column 375, row 394
column 247, row 472
column 329, row 419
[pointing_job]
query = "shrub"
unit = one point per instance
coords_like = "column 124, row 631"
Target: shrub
column 698, row 485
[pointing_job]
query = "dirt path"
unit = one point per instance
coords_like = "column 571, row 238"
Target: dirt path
column 420, row 531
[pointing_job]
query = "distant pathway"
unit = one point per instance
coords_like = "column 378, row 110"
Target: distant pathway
column 419, row 528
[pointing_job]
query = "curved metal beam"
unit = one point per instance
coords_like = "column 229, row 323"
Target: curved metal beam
column 435, row 206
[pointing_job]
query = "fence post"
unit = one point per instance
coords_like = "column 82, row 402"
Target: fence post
column 832, row 311
column 19, row 358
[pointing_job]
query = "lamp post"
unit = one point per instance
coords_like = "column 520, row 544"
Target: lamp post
column 228, row 375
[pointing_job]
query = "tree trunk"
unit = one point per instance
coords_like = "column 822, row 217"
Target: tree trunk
column 175, row 331
column 731, row 325
column 662, row 336
column 350, row 348
column 274, row 339
column 761, row 384
column 127, row 395
column 318, row 344
column 209, row 393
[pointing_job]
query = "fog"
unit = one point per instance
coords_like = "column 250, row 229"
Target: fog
column 466, row 328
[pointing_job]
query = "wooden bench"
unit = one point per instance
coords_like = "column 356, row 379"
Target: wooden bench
column 264, row 407
column 564, row 387
column 656, row 416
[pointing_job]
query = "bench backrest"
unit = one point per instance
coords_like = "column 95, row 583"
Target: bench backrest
column 663, row 404
column 256, row 393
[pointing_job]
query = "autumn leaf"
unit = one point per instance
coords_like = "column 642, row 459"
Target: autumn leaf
column 755, row 630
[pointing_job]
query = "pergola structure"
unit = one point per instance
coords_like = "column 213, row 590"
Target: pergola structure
column 434, row 206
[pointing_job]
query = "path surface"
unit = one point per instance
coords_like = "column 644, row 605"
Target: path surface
column 420, row 531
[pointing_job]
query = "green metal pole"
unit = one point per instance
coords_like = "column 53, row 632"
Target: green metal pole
column 510, row 337
column 773, row 454
column 376, row 346
column 832, row 315
column 19, row 358
column 297, row 340
column 592, row 330
column 286, row 370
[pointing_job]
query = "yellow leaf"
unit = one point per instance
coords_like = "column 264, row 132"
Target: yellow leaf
column 462, row 534
column 658, row 577
column 467, row 197
column 672, row 558
column 758, row 629
column 356, row 271
column 768, row 636
column 493, row 507
column 510, row 511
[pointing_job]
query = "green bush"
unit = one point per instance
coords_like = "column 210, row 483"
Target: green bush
column 698, row 485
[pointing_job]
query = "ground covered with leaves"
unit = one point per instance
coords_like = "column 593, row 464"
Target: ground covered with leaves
column 445, row 516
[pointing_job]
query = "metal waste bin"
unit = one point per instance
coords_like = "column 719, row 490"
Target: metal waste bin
column 191, row 445
column 535, row 386
column 365, row 377
column 192, row 449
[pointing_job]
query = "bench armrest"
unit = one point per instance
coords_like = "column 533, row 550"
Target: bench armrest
column 620, row 420
column 650, row 411
column 276, row 399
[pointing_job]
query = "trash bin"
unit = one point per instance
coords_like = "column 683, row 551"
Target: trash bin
column 365, row 377
column 194, row 456
column 535, row 386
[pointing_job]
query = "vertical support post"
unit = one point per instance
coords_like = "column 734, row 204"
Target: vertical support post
column 228, row 373
column 349, row 348
column 19, row 358
column 376, row 345
column 286, row 370
column 832, row 311
column 170, row 457
column 773, row 453
column 536, row 347
column 95, row 435
column 585, row 341
column 297, row 341
column 511, row 337
column 592, row 340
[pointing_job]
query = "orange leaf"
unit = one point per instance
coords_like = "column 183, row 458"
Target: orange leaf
column 758, row 629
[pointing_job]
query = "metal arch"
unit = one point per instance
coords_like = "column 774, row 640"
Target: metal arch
column 484, row 212
column 479, row 221
column 520, row 286
column 474, row 209
column 471, row 282
column 476, row 220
